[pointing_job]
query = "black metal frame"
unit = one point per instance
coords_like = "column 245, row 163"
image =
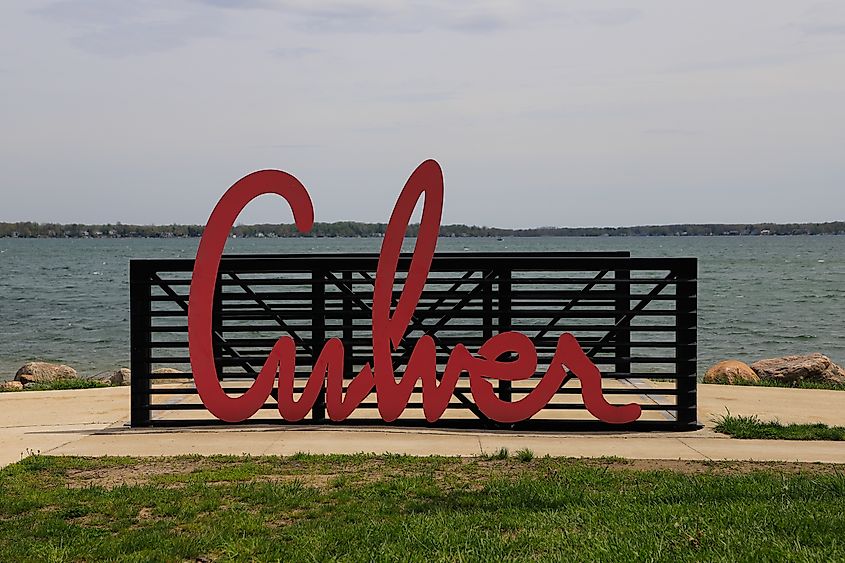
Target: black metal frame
column 469, row 297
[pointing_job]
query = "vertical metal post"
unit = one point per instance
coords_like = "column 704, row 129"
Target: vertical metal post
column 505, row 320
column 348, row 330
column 622, row 307
column 686, row 346
column 487, row 307
column 318, row 333
column 140, row 321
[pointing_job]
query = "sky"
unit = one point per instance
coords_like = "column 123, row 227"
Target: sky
column 579, row 113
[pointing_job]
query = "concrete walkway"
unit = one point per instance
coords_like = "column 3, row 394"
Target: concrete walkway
column 92, row 422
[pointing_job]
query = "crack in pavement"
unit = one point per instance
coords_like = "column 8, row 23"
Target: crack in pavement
column 695, row 450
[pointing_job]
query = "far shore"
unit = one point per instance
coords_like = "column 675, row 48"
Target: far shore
column 354, row 229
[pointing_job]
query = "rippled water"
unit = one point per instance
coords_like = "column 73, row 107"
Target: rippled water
column 68, row 300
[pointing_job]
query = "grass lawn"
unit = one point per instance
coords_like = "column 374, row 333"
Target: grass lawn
column 61, row 385
column 830, row 386
column 402, row 508
column 751, row 427
column 802, row 384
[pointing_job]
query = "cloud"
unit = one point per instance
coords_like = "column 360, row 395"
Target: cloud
column 380, row 16
column 92, row 12
column 822, row 19
column 671, row 132
column 619, row 16
column 288, row 146
column 419, row 97
column 478, row 23
column 737, row 63
column 329, row 15
column 294, row 52
column 824, row 29
column 119, row 29
column 140, row 39
column 239, row 4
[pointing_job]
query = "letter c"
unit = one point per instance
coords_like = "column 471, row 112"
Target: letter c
column 203, row 280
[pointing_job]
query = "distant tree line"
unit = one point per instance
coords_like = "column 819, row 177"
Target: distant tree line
column 30, row 229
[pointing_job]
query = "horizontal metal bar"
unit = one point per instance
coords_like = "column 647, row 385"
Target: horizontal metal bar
column 359, row 343
column 668, row 376
column 261, row 263
column 412, row 405
column 459, row 327
column 532, row 425
column 465, row 313
column 188, row 392
column 434, row 280
column 304, row 359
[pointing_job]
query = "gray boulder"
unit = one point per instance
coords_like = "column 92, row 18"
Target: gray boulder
column 793, row 369
column 44, row 372
column 122, row 376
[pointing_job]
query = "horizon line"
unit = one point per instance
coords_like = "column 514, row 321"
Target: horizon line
column 467, row 225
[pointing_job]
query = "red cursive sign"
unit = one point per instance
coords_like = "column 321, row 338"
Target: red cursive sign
column 387, row 329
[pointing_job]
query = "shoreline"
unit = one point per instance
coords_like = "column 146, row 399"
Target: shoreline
column 352, row 229
column 101, row 376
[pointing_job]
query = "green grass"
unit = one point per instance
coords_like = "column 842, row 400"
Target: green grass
column 751, row 427
column 791, row 385
column 61, row 385
column 317, row 508
column 501, row 453
column 802, row 384
column 525, row 455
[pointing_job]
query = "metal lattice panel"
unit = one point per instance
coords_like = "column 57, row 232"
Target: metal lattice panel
column 635, row 318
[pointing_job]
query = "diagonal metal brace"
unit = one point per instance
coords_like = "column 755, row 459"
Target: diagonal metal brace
column 642, row 304
column 572, row 302
column 248, row 290
column 182, row 302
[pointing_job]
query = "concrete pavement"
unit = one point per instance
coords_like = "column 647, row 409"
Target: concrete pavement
column 92, row 422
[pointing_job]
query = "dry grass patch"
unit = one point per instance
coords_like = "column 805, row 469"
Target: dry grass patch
column 453, row 473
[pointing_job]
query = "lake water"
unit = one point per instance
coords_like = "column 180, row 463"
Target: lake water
column 67, row 300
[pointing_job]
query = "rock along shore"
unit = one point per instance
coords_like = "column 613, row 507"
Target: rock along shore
column 789, row 370
column 44, row 375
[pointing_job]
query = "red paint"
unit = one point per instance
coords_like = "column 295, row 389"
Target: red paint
column 388, row 329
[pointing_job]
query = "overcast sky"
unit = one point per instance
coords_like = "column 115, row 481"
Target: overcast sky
column 540, row 113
